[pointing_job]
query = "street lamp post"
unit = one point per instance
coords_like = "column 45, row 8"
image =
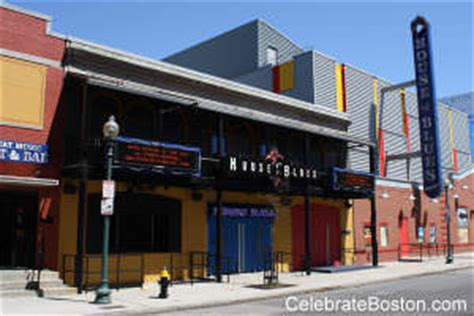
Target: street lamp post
column 110, row 131
column 449, row 256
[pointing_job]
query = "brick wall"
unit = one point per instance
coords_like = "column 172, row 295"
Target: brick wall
column 26, row 37
column 398, row 204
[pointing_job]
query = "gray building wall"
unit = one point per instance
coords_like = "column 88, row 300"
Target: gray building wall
column 315, row 82
column 270, row 37
column 304, row 78
column 236, row 52
column 228, row 55
column 324, row 80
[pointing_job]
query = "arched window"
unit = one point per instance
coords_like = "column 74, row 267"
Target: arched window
column 103, row 104
column 315, row 153
column 239, row 139
column 173, row 126
column 296, row 151
column 139, row 118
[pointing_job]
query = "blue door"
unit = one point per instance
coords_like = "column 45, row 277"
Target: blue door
column 247, row 243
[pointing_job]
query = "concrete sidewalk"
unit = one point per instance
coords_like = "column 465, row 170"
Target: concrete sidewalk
column 187, row 296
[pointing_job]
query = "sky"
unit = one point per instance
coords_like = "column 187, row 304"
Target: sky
column 370, row 35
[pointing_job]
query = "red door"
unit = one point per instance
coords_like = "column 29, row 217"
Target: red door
column 325, row 241
column 327, row 236
column 403, row 236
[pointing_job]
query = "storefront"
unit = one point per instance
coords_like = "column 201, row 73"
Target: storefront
column 25, row 203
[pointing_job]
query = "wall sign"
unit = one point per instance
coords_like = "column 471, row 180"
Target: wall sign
column 427, row 108
column 352, row 181
column 269, row 167
column 158, row 157
column 23, row 152
column 240, row 210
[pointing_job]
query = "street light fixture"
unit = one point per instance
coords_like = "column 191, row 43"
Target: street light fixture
column 447, row 186
column 110, row 131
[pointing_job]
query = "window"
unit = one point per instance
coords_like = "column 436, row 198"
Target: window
column 239, row 140
column 367, row 236
column 432, row 233
column 384, row 236
column 141, row 223
column 272, row 56
column 139, row 121
column 462, row 217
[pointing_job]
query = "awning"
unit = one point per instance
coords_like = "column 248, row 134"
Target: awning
column 28, row 181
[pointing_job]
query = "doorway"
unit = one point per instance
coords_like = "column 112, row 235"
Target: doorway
column 403, row 236
column 18, row 221
column 247, row 243
column 327, row 236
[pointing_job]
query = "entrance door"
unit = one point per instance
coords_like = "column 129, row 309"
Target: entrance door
column 18, row 218
column 247, row 243
column 327, row 236
column 403, row 236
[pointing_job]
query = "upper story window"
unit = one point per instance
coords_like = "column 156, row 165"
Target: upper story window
column 272, row 56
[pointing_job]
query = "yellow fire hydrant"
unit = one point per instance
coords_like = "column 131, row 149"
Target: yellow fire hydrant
column 164, row 283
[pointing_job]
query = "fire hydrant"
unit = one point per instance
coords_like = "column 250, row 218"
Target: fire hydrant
column 164, row 283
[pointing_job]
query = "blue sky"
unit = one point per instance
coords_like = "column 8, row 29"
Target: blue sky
column 372, row 36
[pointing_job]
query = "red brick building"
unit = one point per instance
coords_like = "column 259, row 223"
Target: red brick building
column 32, row 79
column 403, row 209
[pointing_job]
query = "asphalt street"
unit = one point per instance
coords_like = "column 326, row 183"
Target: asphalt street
column 443, row 294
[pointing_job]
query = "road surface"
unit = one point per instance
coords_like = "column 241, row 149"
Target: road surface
column 449, row 293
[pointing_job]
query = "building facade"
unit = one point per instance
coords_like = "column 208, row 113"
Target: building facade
column 404, row 212
column 30, row 156
column 267, row 156
column 192, row 147
column 465, row 103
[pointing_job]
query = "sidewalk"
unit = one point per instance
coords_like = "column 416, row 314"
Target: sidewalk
column 187, row 296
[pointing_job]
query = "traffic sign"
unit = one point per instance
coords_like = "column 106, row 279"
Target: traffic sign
column 108, row 189
column 107, row 207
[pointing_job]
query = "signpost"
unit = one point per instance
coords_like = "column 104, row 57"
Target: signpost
column 427, row 108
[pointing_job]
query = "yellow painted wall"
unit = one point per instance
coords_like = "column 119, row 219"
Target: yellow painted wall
column 194, row 232
column 347, row 240
column 22, row 88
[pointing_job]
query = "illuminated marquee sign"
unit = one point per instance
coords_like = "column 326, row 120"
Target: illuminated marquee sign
column 158, row 157
column 352, row 181
column 23, row 152
column 428, row 113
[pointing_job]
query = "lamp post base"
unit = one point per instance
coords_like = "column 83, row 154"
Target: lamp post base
column 102, row 295
column 449, row 259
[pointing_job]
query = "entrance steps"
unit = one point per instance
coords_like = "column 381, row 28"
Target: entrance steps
column 22, row 283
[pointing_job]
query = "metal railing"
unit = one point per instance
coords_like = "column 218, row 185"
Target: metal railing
column 296, row 262
column 116, row 273
column 415, row 252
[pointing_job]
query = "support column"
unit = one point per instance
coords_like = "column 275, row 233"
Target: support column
column 373, row 209
column 220, row 154
column 307, row 211
column 81, row 203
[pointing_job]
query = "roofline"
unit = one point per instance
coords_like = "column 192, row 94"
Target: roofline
column 226, row 84
column 259, row 20
column 464, row 174
column 18, row 9
column 36, row 15
column 254, row 21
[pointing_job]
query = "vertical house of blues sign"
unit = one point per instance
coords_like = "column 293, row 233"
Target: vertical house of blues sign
column 427, row 108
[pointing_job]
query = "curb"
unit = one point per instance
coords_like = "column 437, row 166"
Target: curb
column 159, row 310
